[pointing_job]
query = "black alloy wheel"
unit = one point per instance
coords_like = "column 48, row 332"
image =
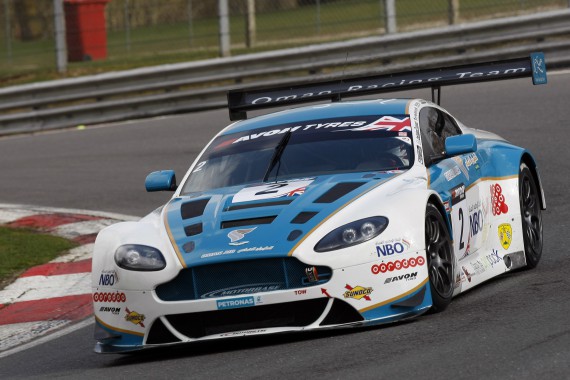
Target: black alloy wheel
column 531, row 217
column 440, row 260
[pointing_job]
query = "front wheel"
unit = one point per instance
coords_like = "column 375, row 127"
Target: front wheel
column 439, row 252
column 531, row 217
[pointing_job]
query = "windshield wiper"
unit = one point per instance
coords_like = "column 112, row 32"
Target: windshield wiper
column 277, row 154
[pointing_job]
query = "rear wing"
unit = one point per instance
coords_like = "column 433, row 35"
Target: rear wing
column 243, row 100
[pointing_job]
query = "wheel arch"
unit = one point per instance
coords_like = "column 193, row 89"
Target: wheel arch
column 436, row 201
column 529, row 160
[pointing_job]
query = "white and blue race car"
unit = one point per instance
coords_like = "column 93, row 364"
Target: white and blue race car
column 342, row 214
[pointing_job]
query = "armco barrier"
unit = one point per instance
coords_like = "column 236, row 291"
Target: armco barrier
column 202, row 85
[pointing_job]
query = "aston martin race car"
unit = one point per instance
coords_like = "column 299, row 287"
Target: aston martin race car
column 337, row 214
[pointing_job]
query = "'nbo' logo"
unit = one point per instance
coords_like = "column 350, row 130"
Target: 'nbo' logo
column 108, row 278
column 389, row 249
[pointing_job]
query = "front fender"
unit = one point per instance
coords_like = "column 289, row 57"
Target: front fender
column 142, row 232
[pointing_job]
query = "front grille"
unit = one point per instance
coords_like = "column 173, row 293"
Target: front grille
column 289, row 314
column 239, row 278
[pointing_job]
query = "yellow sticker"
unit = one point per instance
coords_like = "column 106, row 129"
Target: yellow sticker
column 505, row 235
column 358, row 292
column 134, row 317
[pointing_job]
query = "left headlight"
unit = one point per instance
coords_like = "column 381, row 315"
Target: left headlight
column 352, row 233
column 139, row 257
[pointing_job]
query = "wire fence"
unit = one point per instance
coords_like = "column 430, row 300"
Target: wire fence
column 118, row 34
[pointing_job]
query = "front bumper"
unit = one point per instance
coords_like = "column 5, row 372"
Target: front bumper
column 356, row 295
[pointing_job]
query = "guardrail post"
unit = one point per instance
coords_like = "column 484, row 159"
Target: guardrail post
column 60, row 44
column 453, row 11
column 224, row 28
column 250, row 24
column 390, row 16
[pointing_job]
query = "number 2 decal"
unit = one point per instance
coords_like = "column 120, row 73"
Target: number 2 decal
column 199, row 166
column 462, row 220
column 272, row 189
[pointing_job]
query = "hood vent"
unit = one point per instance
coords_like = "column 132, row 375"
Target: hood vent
column 193, row 209
column 194, row 229
column 262, row 204
column 248, row 222
column 303, row 217
column 338, row 191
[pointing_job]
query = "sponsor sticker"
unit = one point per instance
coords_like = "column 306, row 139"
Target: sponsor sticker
column 397, row 265
column 109, row 297
column 461, row 166
column 358, row 292
column 312, row 274
column 392, row 247
column 402, row 277
column 241, row 250
column 505, row 235
column 134, row 317
column 242, row 333
column 235, row 303
column 108, row 278
column 498, row 204
column 112, row 310
column 388, row 123
column 235, row 236
column 470, row 160
column 420, row 154
column 244, row 289
column 452, row 173
column 457, row 194
column 467, row 273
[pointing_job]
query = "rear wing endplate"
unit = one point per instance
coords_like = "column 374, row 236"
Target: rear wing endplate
column 243, row 100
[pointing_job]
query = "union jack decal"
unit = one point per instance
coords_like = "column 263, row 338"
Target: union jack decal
column 388, row 123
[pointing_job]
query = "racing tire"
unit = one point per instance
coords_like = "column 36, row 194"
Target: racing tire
column 440, row 260
column 531, row 217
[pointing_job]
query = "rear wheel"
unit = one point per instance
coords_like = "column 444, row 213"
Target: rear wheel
column 531, row 216
column 439, row 252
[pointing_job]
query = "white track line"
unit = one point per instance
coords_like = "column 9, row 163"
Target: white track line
column 47, row 338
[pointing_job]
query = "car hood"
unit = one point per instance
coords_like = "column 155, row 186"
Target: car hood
column 258, row 220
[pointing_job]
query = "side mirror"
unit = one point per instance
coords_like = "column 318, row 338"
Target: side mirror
column 460, row 144
column 164, row 180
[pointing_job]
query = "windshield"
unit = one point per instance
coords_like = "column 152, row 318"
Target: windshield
column 308, row 149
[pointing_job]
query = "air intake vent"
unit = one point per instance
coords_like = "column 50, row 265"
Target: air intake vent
column 248, row 222
column 193, row 229
column 340, row 313
column 338, row 191
column 259, row 204
column 240, row 278
column 303, row 217
column 159, row 334
column 290, row 314
column 193, row 209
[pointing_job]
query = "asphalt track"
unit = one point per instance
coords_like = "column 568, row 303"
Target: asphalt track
column 516, row 326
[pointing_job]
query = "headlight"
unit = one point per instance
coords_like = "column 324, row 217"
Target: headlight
column 352, row 233
column 139, row 257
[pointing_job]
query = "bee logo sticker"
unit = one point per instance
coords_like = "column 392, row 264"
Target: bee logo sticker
column 505, row 235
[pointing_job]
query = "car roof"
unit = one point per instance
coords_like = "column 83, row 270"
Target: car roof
column 323, row 111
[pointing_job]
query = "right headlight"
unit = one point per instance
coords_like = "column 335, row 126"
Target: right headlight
column 139, row 257
column 352, row 233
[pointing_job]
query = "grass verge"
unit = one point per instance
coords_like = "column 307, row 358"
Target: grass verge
column 21, row 249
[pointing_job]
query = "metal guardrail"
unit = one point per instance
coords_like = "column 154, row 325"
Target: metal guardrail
column 187, row 87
